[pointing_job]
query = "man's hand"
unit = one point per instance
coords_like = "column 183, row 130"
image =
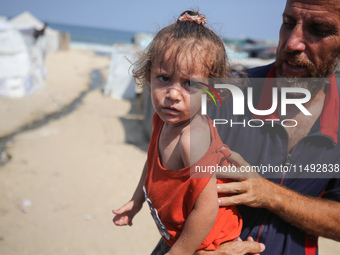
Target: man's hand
column 250, row 189
column 236, row 248
column 315, row 216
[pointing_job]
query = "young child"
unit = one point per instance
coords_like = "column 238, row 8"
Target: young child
column 184, row 208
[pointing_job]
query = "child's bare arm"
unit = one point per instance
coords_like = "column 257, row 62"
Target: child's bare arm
column 125, row 214
column 199, row 222
column 202, row 217
column 195, row 142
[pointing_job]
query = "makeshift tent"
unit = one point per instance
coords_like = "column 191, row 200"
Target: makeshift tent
column 50, row 41
column 22, row 68
column 120, row 83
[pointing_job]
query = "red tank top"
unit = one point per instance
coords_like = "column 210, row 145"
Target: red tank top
column 173, row 193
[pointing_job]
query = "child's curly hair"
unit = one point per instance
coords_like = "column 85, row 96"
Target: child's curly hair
column 184, row 36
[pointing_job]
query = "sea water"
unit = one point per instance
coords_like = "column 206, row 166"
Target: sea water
column 92, row 38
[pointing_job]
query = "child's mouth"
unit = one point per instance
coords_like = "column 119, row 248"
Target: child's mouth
column 170, row 110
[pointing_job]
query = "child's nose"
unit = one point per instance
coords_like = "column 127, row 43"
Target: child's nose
column 175, row 91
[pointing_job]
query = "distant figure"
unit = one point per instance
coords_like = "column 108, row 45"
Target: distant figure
column 37, row 33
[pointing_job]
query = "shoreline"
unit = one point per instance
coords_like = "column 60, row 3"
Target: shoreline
column 91, row 47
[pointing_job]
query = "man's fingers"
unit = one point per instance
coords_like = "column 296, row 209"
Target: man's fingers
column 232, row 172
column 231, row 188
column 254, row 247
column 248, row 247
column 237, row 248
column 236, row 189
column 250, row 238
column 242, row 248
column 233, row 200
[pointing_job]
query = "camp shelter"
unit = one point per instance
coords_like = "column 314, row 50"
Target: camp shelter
column 51, row 38
column 22, row 69
column 120, row 83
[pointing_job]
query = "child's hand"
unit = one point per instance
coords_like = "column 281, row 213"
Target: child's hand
column 125, row 214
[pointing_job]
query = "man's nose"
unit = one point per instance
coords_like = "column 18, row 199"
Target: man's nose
column 296, row 41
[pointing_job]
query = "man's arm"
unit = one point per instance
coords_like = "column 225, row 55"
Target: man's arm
column 319, row 217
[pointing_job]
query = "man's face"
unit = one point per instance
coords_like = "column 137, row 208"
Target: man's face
column 309, row 43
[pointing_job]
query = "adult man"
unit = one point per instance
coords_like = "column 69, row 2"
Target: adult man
column 286, row 214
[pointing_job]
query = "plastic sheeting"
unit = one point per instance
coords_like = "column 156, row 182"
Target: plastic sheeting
column 120, row 83
column 51, row 36
column 22, row 69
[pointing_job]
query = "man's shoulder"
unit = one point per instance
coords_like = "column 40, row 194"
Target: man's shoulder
column 259, row 72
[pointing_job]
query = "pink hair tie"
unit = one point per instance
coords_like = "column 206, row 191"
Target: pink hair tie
column 199, row 19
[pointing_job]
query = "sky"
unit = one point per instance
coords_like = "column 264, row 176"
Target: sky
column 256, row 19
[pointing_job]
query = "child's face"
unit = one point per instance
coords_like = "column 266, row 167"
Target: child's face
column 172, row 97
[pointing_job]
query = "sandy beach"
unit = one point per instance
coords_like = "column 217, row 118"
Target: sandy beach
column 61, row 177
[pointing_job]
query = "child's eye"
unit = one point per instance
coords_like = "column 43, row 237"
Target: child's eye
column 163, row 78
column 191, row 86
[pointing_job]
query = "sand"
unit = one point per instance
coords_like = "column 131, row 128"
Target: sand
column 66, row 175
column 71, row 172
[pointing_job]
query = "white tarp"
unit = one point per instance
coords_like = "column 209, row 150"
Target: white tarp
column 51, row 37
column 22, row 69
column 120, row 83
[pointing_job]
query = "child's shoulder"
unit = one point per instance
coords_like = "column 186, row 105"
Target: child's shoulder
column 195, row 139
